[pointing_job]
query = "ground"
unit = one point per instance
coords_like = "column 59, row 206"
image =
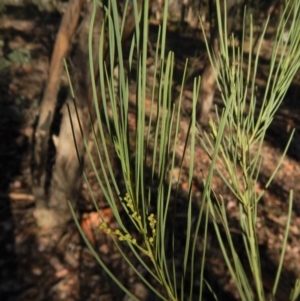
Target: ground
column 70, row 272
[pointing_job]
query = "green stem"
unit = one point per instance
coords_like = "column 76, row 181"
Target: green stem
column 254, row 256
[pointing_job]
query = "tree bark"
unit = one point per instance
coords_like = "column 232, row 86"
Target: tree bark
column 43, row 213
column 52, row 211
column 48, row 104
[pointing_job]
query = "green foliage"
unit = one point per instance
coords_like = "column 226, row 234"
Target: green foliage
column 2, row 8
column 19, row 55
column 234, row 136
column 237, row 132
